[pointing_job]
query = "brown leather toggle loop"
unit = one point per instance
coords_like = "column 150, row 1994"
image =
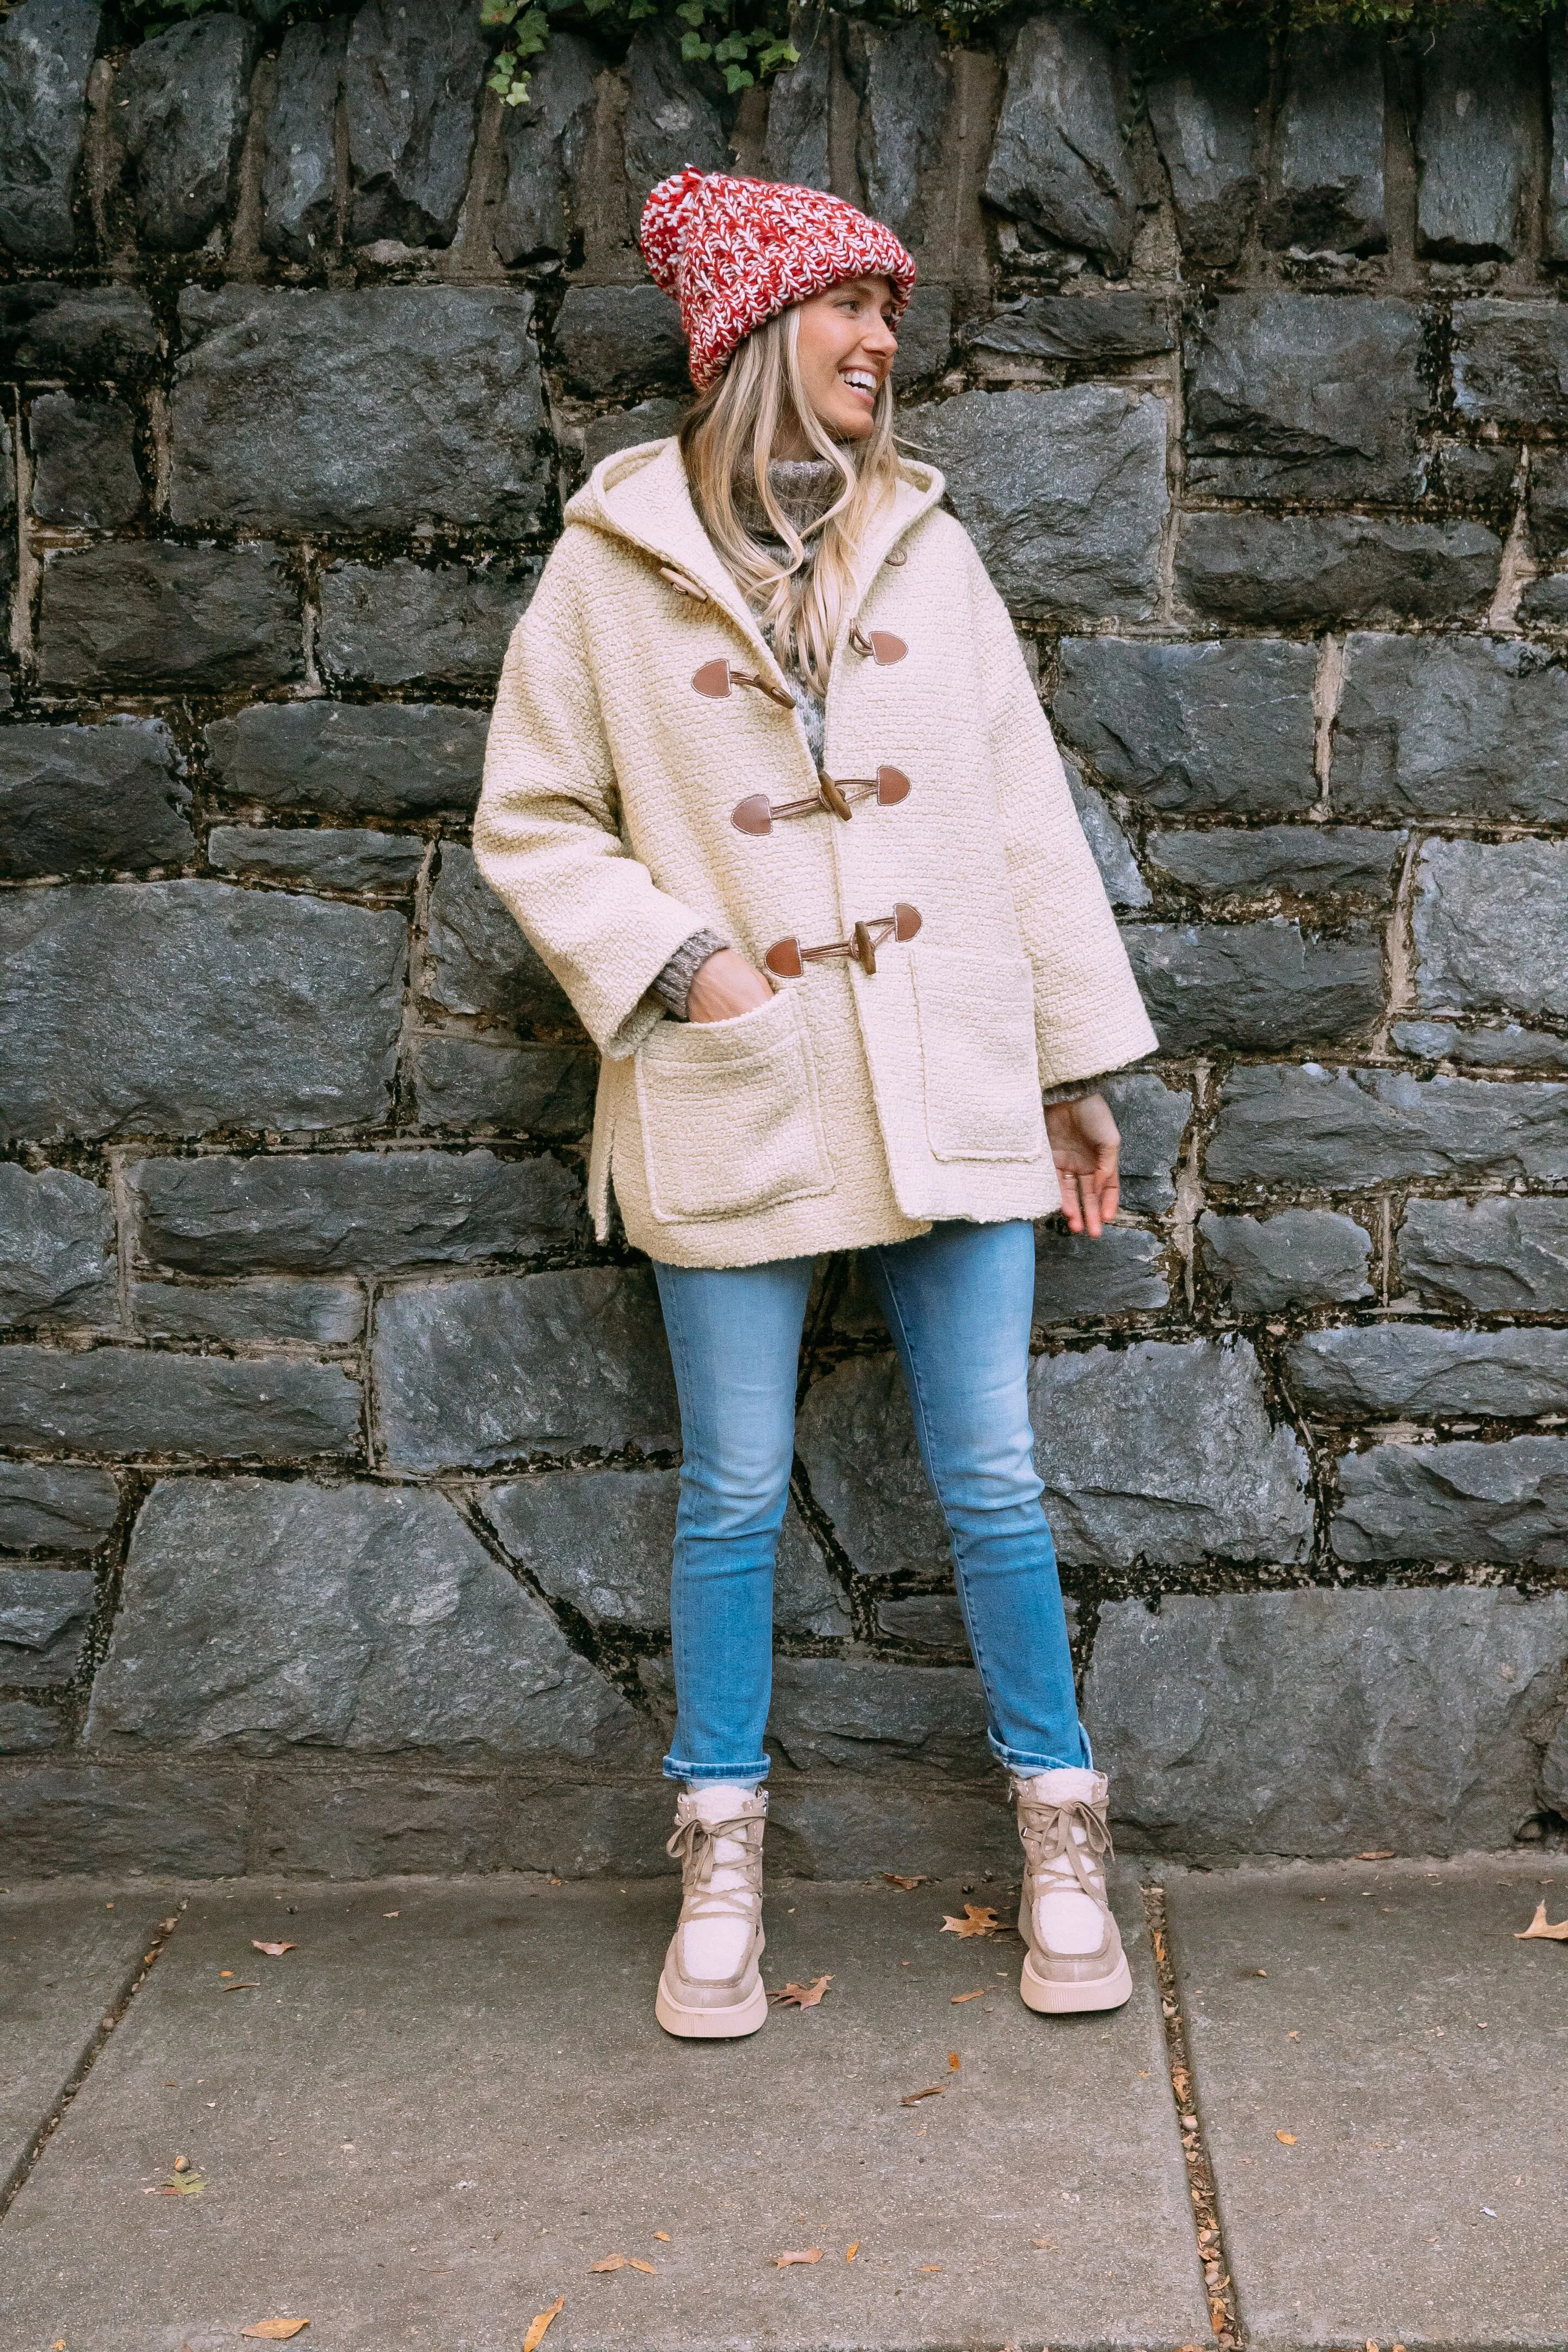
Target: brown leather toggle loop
column 881, row 646
column 756, row 814
column 687, row 587
column 715, row 677
column 787, row 960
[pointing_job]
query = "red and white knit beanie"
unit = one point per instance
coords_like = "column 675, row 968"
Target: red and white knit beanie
column 734, row 252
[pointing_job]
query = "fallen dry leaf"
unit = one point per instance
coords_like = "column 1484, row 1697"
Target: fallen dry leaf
column 188, row 2183
column 803, row 1996
column 663, row 2237
column 978, row 1994
column 927, row 2266
column 897, row 1878
column 276, row 2331
column 539, row 2325
column 1376, row 1854
column 812, row 2254
column 954, row 2061
column 624, row 2263
column 1045, row 2245
column 241, row 1984
column 1538, row 1926
column 1285, row 2139
column 273, row 1951
column 555, row 2307
column 913, row 2098
column 851, row 2250
column 979, row 1919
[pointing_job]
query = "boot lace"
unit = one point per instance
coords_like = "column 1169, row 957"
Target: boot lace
column 1073, row 1830
column 693, row 1846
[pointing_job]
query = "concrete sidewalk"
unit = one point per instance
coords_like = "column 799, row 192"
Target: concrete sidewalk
column 431, row 2119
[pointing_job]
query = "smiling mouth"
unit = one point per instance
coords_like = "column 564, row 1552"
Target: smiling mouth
column 859, row 380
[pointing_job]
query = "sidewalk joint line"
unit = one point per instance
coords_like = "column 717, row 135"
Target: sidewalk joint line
column 1219, row 2288
column 152, row 1952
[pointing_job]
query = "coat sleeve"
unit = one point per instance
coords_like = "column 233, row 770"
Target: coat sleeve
column 547, row 831
column 1088, row 1015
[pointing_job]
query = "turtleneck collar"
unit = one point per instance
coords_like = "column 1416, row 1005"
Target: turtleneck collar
column 805, row 488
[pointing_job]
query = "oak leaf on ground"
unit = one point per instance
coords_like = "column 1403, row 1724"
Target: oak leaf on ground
column 933, row 2090
column 1538, row 1926
column 898, row 1878
column 803, row 1996
column 979, row 1919
column 812, row 2254
column 624, row 2263
column 276, row 2331
column 539, row 2325
column 978, row 1994
column 273, row 1951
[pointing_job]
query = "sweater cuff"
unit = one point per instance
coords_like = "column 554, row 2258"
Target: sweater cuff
column 1075, row 1089
column 673, row 986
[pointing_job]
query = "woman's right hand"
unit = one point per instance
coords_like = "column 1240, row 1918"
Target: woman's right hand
column 724, row 986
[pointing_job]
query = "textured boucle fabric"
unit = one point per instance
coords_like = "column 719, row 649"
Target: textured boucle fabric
column 734, row 252
column 852, row 1109
column 673, row 984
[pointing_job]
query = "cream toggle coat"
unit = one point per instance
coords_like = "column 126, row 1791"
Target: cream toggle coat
column 858, row 1105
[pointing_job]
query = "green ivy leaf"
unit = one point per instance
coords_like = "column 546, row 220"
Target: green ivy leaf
column 737, row 78
column 692, row 44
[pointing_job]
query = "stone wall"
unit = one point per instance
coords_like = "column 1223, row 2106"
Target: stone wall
column 338, row 1482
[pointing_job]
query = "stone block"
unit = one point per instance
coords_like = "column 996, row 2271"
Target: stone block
column 57, row 1248
column 466, row 1083
column 671, row 119
column 1205, row 107
column 374, row 1825
column 47, row 49
column 1121, row 1274
column 1544, row 603
column 1475, row 136
column 1221, row 726
column 352, row 1212
column 856, row 1437
column 1411, row 1372
column 1511, row 365
column 1075, row 330
column 1111, row 850
column 320, row 1314
column 926, row 1621
column 48, row 1506
column 478, row 960
column 794, row 149
column 1292, row 569
column 144, row 616
column 413, row 84
column 1153, row 1117
column 1450, row 727
column 925, row 336
column 1492, row 927
column 1557, row 171
column 1322, row 1723
column 129, row 1401
column 627, row 428
column 331, row 858
column 1327, row 171
column 78, row 800
column 545, row 144
column 1059, row 165
column 26, row 1730
column 1338, row 1130
column 1504, row 1047
column 1476, row 474
column 311, row 411
column 350, row 759
column 1548, row 500
column 903, row 78
column 259, row 1615
column 471, row 1374
column 1501, row 1256
column 72, row 1818
column 876, row 1717
column 84, row 462
column 1255, row 987
column 81, row 331
column 184, row 101
column 1301, row 1257
column 45, row 1615
column 1298, row 861
column 840, row 1826
column 300, row 166
column 171, row 1008
column 602, row 1540
column 613, row 340
column 406, row 624
column 1165, row 1453
column 1506, row 1505
column 1064, row 492
column 570, row 1830
column 1306, row 397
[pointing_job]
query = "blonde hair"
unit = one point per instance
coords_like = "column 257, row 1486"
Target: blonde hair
column 727, row 440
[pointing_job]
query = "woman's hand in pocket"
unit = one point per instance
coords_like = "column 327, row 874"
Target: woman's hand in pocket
column 1085, row 1142
column 727, row 985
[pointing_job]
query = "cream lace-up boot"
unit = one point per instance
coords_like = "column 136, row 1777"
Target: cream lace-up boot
column 1075, row 1959
column 711, row 1989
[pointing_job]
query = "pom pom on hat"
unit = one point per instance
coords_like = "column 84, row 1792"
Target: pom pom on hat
column 734, row 252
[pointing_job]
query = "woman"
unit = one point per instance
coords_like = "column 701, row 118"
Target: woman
column 770, row 790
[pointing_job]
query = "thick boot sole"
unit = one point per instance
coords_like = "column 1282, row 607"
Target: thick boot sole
column 1068, row 2000
column 712, row 2025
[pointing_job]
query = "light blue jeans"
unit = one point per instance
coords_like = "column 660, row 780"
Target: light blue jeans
column 958, row 1303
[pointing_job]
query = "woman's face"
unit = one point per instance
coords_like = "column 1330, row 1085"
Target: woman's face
column 846, row 350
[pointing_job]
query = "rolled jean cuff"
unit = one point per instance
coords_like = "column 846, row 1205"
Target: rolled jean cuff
column 674, row 1770
column 1017, row 1761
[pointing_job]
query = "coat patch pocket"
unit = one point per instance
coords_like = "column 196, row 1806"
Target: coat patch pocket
column 977, row 1042
column 730, row 1120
